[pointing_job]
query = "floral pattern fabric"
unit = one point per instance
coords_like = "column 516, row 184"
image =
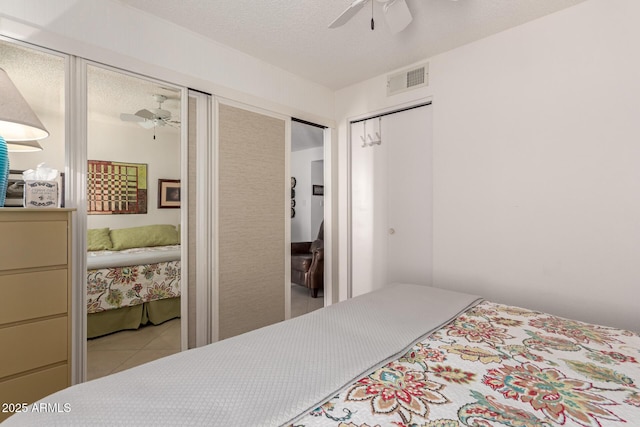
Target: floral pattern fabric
column 116, row 287
column 498, row 365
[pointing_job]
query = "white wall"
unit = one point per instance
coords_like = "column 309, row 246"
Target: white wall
column 128, row 142
column 536, row 177
column 317, row 202
column 301, row 225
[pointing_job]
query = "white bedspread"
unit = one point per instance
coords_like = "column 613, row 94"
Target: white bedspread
column 135, row 256
column 266, row 377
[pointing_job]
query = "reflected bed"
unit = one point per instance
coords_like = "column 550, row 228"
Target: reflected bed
column 132, row 287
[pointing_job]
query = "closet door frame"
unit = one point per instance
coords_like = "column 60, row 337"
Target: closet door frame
column 348, row 258
column 205, row 195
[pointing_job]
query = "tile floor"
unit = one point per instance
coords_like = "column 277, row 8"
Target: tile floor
column 123, row 350
column 301, row 301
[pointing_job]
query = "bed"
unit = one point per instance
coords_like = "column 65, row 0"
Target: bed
column 133, row 278
column 405, row 355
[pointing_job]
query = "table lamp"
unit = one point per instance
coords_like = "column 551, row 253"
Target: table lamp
column 23, row 146
column 18, row 123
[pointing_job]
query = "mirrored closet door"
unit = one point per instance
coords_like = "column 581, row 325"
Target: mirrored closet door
column 133, row 193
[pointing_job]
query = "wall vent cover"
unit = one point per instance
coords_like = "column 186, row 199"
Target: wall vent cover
column 404, row 80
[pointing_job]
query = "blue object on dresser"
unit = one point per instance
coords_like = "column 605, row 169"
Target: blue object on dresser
column 4, row 170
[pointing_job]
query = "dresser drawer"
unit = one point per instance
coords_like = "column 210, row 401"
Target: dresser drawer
column 33, row 244
column 33, row 387
column 33, row 345
column 31, row 295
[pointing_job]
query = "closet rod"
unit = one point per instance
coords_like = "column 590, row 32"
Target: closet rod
column 304, row 122
column 392, row 112
column 200, row 91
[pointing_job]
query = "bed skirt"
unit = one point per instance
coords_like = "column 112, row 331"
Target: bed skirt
column 109, row 321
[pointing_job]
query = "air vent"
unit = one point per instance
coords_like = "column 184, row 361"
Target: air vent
column 412, row 78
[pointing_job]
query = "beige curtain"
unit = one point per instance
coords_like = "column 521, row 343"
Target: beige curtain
column 251, row 206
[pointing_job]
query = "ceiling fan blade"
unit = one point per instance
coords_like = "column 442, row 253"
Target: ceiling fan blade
column 397, row 15
column 130, row 118
column 351, row 11
column 145, row 114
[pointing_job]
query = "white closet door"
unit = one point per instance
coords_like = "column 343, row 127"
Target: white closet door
column 368, row 213
column 409, row 195
column 391, row 200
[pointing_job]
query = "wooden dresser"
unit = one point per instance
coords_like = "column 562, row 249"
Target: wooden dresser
column 35, row 304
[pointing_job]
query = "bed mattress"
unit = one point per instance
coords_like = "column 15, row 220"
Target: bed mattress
column 135, row 256
column 405, row 355
column 265, row 377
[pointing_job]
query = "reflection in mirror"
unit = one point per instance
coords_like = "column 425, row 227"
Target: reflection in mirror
column 307, row 218
column 39, row 77
column 133, row 263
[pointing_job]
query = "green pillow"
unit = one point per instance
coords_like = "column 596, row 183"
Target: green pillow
column 144, row 236
column 98, row 240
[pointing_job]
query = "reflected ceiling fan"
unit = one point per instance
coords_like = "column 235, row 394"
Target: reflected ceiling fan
column 152, row 118
column 396, row 14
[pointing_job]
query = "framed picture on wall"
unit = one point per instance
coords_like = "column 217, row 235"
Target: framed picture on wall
column 318, row 190
column 115, row 188
column 168, row 193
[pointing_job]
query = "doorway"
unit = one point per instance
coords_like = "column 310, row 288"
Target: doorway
column 307, row 217
column 133, row 280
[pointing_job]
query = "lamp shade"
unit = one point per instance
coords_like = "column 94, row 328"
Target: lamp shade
column 18, row 122
column 23, row 146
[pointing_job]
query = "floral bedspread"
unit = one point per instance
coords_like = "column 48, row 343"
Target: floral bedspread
column 115, row 287
column 498, row 365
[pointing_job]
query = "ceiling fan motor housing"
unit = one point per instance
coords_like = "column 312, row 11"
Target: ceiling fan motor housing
column 160, row 113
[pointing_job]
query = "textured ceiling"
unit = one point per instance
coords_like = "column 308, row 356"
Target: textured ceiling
column 110, row 93
column 293, row 35
column 40, row 79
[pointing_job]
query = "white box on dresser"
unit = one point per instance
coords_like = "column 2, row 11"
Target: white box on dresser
column 35, row 305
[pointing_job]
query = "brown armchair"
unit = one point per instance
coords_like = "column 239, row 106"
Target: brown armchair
column 307, row 263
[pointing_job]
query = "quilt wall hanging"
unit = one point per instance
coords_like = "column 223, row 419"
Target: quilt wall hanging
column 116, row 188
